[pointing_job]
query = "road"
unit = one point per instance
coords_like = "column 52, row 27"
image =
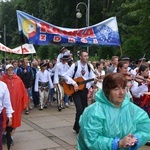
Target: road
column 47, row 130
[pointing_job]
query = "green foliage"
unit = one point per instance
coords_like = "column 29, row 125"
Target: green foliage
column 44, row 52
column 133, row 47
column 133, row 22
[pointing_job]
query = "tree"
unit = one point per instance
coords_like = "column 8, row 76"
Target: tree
column 132, row 17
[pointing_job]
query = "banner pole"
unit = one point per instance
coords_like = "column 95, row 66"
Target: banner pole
column 21, row 50
column 120, row 51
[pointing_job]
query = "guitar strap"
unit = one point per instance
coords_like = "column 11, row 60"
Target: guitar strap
column 76, row 67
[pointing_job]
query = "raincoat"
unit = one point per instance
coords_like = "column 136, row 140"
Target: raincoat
column 102, row 124
column 18, row 96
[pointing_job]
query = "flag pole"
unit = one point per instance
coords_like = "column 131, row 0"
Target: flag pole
column 21, row 50
column 120, row 51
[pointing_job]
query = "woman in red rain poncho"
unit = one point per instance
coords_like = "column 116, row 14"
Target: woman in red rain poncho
column 18, row 96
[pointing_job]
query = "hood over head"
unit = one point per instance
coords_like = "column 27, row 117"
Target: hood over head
column 100, row 97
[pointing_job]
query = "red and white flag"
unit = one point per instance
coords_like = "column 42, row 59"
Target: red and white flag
column 24, row 49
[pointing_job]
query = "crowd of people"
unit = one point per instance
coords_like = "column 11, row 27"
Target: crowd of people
column 117, row 91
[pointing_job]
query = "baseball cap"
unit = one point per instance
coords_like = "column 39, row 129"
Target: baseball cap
column 8, row 66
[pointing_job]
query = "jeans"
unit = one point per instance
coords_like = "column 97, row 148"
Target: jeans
column 66, row 98
column 51, row 92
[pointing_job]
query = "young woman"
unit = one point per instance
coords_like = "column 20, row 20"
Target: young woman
column 122, row 68
column 100, row 74
column 141, row 88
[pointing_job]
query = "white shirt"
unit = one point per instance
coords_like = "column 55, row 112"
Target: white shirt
column 99, row 83
column 5, row 99
column 115, row 70
column 88, row 75
column 61, row 55
column 135, row 71
column 102, row 73
column 42, row 77
column 60, row 69
column 51, row 71
column 137, row 90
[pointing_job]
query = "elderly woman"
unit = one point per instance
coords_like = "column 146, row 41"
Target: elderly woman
column 113, row 122
column 18, row 96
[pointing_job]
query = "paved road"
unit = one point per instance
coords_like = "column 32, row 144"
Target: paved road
column 47, row 130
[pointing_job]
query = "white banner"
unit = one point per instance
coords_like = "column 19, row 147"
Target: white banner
column 24, row 49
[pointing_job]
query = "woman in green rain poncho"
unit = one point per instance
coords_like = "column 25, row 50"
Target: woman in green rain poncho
column 113, row 122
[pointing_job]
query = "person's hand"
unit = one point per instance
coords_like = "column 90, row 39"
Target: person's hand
column 127, row 141
column 129, row 84
column 9, row 121
column 95, row 80
column 100, row 80
column 76, row 87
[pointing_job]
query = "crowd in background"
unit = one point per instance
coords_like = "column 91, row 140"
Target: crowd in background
column 101, row 68
column 42, row 77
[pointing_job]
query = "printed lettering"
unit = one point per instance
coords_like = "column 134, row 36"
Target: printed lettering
column 42, row 37
column 71, row 40
column 83, row 40
column 57, row 39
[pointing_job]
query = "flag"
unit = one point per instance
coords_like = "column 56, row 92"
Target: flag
column 38, row 32
column 24, row 49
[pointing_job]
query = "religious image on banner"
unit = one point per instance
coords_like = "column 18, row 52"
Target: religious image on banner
column 39, row 32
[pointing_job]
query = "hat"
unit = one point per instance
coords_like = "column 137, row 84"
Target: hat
column 65, row 57
column 8, row 66
column 43, row 64
column 125, row 58
column 142, row 59
column 62, row 49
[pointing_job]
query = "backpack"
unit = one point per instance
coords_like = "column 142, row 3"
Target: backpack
column 28, row 70
column 76, row 67
column 21, row 70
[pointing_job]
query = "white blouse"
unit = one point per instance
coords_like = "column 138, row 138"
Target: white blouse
column 137, row 90
column 5, row 99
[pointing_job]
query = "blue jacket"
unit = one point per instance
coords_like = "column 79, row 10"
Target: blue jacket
column 102, row 124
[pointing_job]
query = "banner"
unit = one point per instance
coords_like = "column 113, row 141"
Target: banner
column 39, row 32
column 24, row 49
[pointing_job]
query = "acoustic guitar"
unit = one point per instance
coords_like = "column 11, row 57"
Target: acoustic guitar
column 69, row 88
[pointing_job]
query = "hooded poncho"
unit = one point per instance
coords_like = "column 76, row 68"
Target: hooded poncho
column 102, row 124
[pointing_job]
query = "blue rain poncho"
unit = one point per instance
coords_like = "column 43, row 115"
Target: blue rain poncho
column 102, row 124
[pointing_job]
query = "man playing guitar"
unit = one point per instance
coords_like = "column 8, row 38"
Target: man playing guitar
column 80, row 96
